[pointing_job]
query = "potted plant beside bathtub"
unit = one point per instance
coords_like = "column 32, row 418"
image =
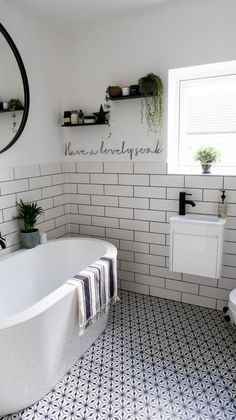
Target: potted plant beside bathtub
column 28, row 214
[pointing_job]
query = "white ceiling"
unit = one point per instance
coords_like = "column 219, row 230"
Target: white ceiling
column 73, row 12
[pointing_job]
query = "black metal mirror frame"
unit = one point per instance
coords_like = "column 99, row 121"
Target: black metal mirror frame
column 25, row 86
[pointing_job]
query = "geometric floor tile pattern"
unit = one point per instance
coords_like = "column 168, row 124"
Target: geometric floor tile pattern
column 157, row 360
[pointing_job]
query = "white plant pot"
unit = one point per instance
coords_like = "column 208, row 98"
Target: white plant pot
column 125, row 91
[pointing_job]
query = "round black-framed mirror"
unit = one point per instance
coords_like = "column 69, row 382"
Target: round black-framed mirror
column 18, row 126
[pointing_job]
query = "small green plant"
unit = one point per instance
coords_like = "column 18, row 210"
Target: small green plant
column 28, row 215
column 13, row 104
column 151, row 88
column 207, row 155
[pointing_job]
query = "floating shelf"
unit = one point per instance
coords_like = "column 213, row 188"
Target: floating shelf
column 83, row 125
column 122, row 98
column 11, row 110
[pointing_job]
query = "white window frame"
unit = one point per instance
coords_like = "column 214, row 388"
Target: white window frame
column 176, row 76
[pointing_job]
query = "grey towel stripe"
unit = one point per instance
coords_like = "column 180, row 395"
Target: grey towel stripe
column 111, row 276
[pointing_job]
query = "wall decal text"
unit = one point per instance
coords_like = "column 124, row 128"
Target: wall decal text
column 116, row 151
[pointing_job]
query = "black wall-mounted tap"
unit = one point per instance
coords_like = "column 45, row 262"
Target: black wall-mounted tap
column 2, row 242
column 183, row 202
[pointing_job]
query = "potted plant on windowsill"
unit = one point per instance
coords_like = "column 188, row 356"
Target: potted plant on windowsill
column 28, row 214
column 207, row 156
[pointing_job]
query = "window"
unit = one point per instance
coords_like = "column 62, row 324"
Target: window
column 202, row 112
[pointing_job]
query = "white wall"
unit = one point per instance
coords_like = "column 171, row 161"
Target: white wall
column 38, row 45
column 119, row 51
column 129, row 203
column 114, row 51
column 11, row 87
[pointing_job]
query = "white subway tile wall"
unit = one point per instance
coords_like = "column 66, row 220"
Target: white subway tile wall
column 128, row 204
column 42, row 183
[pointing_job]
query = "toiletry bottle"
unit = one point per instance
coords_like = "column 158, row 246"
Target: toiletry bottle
column 222, row 206
column 66, row 119
column 43, row 237
column 74, row 118
column 81, row 117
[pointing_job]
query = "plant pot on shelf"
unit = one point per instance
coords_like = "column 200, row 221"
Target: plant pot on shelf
column 125, row 91
column 114, row 91
column 206, row 168
column 30, row 239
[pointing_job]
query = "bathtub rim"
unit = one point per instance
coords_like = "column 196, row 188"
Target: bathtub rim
column 47, row 301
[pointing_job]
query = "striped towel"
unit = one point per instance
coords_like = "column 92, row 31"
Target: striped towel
column 97, row 290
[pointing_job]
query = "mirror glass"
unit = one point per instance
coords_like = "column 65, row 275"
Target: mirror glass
column 14, row 92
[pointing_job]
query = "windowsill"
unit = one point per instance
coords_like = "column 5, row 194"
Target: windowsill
column 197, row 171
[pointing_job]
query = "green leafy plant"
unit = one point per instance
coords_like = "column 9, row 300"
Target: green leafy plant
column 28, row 214
column 14, row 123
column 151, row 89
column 107, row 107
column 207, row 155
column 13, row 103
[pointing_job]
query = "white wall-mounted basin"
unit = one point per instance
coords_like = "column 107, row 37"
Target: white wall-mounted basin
column 198, row 218
column 196, row 244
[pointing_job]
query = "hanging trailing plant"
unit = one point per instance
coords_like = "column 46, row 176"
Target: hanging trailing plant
column 107, row 104
column 13, row 103
column 107, row 107
column 151, row 89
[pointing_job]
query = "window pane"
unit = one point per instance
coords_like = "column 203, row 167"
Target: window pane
column 208, row 118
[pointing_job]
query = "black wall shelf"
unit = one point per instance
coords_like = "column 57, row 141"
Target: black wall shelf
column 11, row 110
column 122, row 98
column 83, row 125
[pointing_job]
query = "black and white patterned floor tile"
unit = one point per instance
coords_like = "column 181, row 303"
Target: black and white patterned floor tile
column 157, row 360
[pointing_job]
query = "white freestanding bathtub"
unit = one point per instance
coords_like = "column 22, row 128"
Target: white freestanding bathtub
column 39, row 340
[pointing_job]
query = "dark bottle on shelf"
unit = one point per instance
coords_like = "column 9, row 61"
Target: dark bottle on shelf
column 81, row 117
column 66, row 118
